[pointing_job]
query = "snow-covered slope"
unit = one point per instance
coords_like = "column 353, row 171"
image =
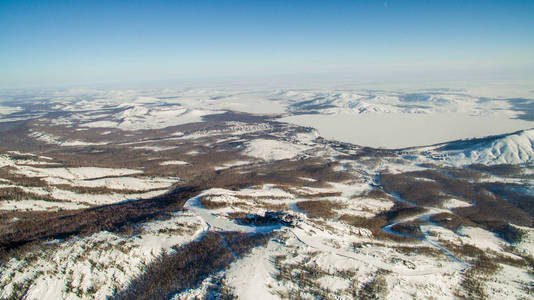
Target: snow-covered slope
column 515, row 148
column 135, row 116
column 273, row 149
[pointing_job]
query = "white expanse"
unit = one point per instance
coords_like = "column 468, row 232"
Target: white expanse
column 174, row 162
column 82, row 173
column 6, row 110
column 402, row 130
column 37, row 205
column 137, row 117
column 455, row 203
column 231, row 164
column 273, row 149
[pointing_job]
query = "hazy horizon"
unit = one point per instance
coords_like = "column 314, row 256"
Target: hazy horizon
column 61, row 43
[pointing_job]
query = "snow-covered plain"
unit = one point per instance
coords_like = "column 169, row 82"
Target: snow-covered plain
column 402, row 130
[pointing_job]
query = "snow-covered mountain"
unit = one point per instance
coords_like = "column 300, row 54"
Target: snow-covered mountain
column 514, row 148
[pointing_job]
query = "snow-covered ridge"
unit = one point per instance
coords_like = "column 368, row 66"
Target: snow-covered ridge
column 136, row 116
column 514, row 148
column 364, row 102
column 55, row 140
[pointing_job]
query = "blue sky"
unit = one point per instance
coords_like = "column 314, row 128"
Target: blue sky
column 85, row 42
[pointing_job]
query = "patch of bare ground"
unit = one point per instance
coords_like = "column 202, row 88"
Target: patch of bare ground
column 274, row 206
column 17, row 194
column 320, row 208
column 102, row 190
column 468, row 174
column 511, row 193
column 451, row 221
column 375, row 225
column 507, row 232
column 284, row 172
column 8, row 173
column 208, row 203
column 490, row 210
column 373, row 194
column 403, row 249
column 190, row 265
column 311, row 195
column 239, row 117
column 409, row 187
column 363, row 152
column 503, row 170
column 411, row 228
column 401, row 211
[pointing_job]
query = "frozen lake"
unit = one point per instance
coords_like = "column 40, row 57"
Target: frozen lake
column 401, row 130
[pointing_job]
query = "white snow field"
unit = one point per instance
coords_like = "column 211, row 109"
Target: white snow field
column 273, row 149
column 37, row 205
column 6, row 110
column 174, row 162
column 125, row 184
column 402, row 130
column 136, row 117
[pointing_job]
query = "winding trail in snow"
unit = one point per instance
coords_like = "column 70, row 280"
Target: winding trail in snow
column 317, row 244
column 424, row 216
column 220, row 223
